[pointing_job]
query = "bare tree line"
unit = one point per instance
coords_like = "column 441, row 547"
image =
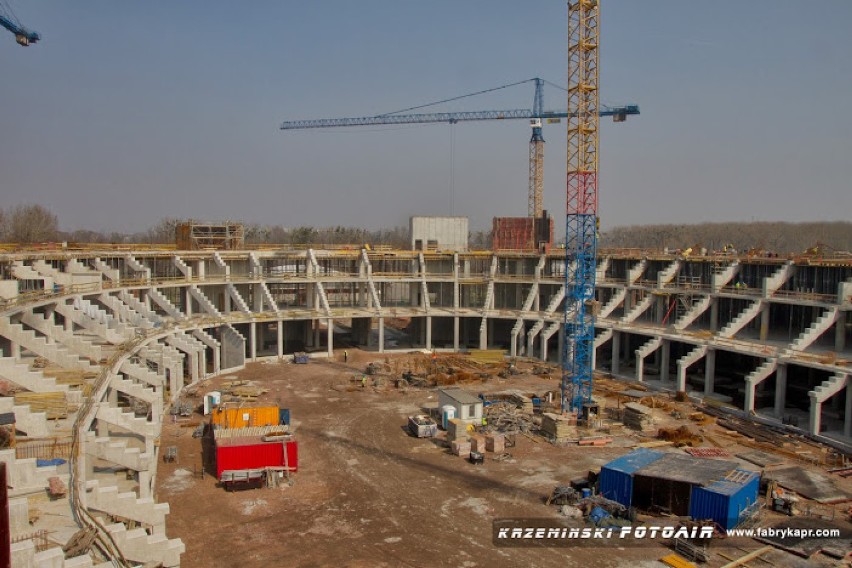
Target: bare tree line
column 775, row 236
column 36, row 224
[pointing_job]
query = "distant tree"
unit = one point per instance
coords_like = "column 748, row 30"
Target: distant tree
column 31, row 224
column 163, row 232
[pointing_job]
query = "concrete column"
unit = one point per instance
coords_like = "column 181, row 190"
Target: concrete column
column 616, row 352
column 428, row 332
column 193, row 366
column 144, row 484
column 847, row 417
column 661, row 309
column 815, row 417
column 217, row 359
column 483, row 334
column 665, row 351
column 202, row 363
column 709, row 371
column 764, row 321
column 253, row 341
column 456, row 333
column 15, row 348
column 640, row 368
column 749, row 396
column 187, row 302
column 226, row 307
column 280, row 338
column 330, row 336
column 199, row 269
column 315, row 324
column 381, row 335
column 780, row 390
column 714, row 313
column 561, row 336
column 840, row 332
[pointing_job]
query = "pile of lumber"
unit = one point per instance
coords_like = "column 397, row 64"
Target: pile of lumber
column 558, row 428
column 507, row 418
column 638, row 417
column 53, row 404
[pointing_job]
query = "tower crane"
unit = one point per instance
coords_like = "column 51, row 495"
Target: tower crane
column 537, row 115
column 22, row 35
column 582, row 205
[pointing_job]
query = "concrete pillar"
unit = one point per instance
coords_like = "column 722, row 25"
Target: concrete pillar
column 780, row 390
column 315, row 325
column 456, row 333
column 616, row 352
column 199, row 269
column 144, row 484
column 714, row 313
column 217, row 359
column 665, row 351
column 483, row 334
column 561, row 336
column 640, row 368
column 187, row 302
column 847, row 416
column 840, row 332
column 330, row 336
column 253, row 341
column 661, row 309
column 381, row 335
column 709, row 372
column 749, row 396
column 15, row 348
column 428, row 332
column 193, row 367
column 280, row 338
column 815, row 417
column 226, row 307
column 764, row 321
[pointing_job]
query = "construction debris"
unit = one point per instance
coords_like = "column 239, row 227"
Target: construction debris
column 682, row 436
column 638, row 417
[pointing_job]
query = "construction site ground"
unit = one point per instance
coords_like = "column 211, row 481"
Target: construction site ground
column 367, row 494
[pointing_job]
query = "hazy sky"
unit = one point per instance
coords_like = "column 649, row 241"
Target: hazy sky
column 127, row 112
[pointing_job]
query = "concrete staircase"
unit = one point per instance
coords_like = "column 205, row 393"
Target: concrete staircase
column 639, row 308
column 134, row 389
column 603, row 337
column 616, row 300
column 116, row 451
column 644, row 351
column 137, row 545
column 772, row 283
column 238, row 299
column 125, row 313
column 636, row 271
column 600, row 270
column 24, row 476
column 142, row 373
column 723, row 275
column 47, row 270
column 127, row 506
column 127, row 421
column 140, row 270
column 138, row 306
column 222, row 265
column 165, row 304
column 23, row 272
column 53, row 352
column 34, row 381
column 760, row 374
column 91, row 317
column 815, row 330
column 742, row 320
column 667, row 275
column 73, row 341
column 686, row 361
column 33, row 424
column 184, row 268
column 267, row 298
column 110, row 273
column 693, row 313
column 204, row 301
column 829, row 388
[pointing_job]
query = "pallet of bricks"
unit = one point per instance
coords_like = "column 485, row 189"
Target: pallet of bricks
column 638, row 417
column 558, row 428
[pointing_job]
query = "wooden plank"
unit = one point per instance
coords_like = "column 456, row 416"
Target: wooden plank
column 741, row 561
column 677, row 561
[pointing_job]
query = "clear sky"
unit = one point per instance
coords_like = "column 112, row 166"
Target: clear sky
column 127, row 112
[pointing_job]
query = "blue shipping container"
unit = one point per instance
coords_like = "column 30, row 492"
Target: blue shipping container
column 725, row 501
column 616, row 478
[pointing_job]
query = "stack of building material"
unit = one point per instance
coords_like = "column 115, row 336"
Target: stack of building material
column 557, row 428
column 477, row 444
column 495, row 443
column 457, row 430
column 461, row 448
column 638, row 417
column 524, row 403
column 53, row 404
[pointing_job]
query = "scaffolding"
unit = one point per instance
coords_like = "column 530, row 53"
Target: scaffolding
column 195, row 235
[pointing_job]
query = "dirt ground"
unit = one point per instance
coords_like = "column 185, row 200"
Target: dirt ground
column 369, row 495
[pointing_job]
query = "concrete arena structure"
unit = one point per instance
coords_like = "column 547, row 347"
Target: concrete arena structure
column 767, row 335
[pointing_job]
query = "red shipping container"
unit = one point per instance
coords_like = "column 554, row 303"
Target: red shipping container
column 250, row 453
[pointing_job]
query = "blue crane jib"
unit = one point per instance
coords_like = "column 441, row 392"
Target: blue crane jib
column 22, row 35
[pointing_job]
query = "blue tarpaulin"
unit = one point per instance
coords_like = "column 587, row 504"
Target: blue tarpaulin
column 45, row 463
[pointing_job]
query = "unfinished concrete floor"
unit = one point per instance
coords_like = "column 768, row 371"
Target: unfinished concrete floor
column 369, row 495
